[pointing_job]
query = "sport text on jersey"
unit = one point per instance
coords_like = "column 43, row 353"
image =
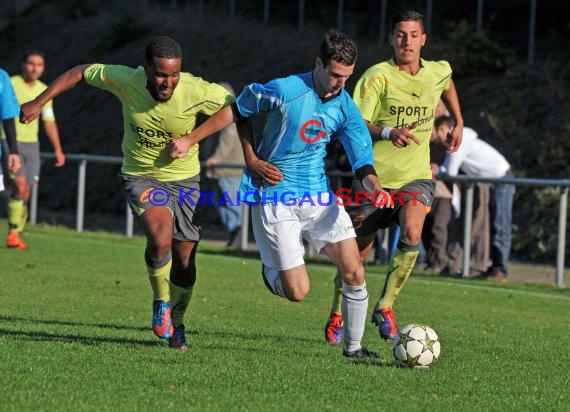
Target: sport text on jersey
column 153, row 138
column 409, row 115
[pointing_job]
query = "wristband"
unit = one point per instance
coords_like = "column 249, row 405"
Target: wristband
column 385, row 134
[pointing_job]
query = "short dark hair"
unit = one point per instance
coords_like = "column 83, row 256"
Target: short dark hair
column 162, row 47
column 407, row 15
column 441, row 120
column 339, row 47
column 32, row 52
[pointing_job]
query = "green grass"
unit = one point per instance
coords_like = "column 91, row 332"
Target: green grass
column 75, row 335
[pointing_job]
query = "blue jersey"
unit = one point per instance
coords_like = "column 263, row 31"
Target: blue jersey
column 9, row 107
column 298, row 127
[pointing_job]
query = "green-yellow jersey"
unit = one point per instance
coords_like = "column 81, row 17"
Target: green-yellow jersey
column 389, row 97
column 149, row 125
column 28, row 133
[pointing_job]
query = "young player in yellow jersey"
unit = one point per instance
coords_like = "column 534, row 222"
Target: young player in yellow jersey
column 27, row 87
column 160, row 174
column 397, row 98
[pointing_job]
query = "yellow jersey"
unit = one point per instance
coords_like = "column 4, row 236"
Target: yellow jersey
column 149, row 125
column 390, row 97
column 28, row 133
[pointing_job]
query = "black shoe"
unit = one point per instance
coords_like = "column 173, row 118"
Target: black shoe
column 492, row 274
column 362, row 353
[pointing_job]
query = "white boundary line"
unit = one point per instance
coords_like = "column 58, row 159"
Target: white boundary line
column 468, row 285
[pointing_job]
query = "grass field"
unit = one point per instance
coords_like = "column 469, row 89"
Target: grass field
column 75, row 335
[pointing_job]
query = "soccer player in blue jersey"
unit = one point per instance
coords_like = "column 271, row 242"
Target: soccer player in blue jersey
column 289, row 189
column 9, row 110
column 397, row 99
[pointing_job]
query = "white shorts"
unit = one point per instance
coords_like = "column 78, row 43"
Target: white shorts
column 1, row 181
column 280, row 229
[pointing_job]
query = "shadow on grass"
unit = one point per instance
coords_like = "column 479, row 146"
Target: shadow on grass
column 254, row 254
column 224, row 335
column 68, row 323
column 84, row 340
column 249, row 254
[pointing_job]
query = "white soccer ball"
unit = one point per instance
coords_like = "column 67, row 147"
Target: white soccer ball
column 416, row 346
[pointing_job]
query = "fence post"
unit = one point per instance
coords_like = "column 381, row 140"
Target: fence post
column 479, row 23
column 429, row 13
column 243, row 241
column 301, row 23
column 81, row 195
column 532, row 26
column 382, row 33
column 232, row 10
column 339, row 15
column 266, row 12
column 34, row 205
column 561, row 249
column 467, row 230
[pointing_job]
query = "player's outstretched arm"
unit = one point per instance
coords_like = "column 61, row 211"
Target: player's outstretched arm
column 178, row 148
column 263, row 170
column 451, row 101
column 32, row 110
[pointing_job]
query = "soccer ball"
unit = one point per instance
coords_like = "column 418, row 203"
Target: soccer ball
column 416, row 346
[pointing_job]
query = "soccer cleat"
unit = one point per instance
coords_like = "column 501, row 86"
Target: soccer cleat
column 386, row 321
column 178, row 339
column 162, row 319
column 13, row 241
column 333, row 329
column 362, row 353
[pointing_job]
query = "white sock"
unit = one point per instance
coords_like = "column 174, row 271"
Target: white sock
column 354, row 310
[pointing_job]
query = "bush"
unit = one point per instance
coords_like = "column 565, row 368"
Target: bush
column 474, row 53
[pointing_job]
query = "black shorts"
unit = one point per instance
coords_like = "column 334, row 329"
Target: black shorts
column 182, row 197
column 367, row 219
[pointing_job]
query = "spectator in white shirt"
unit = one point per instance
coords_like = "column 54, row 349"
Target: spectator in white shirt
column 477, row 158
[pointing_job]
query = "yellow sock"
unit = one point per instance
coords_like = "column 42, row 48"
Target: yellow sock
column 337, row 294
column 401, row 266
column 180, row 297
column 159, row 275
column 23, row 218
column 15, row 207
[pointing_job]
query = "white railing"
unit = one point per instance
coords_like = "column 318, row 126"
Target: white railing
column 469, row 181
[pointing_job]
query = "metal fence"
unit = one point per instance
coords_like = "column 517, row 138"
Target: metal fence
column 468, row 181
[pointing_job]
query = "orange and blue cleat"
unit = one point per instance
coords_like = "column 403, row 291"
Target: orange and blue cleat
column 333, row 329
column 386, row 321
column 178, row 339
column 162, row 319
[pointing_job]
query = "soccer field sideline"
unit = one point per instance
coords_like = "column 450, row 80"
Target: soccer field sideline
column 374, row 271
